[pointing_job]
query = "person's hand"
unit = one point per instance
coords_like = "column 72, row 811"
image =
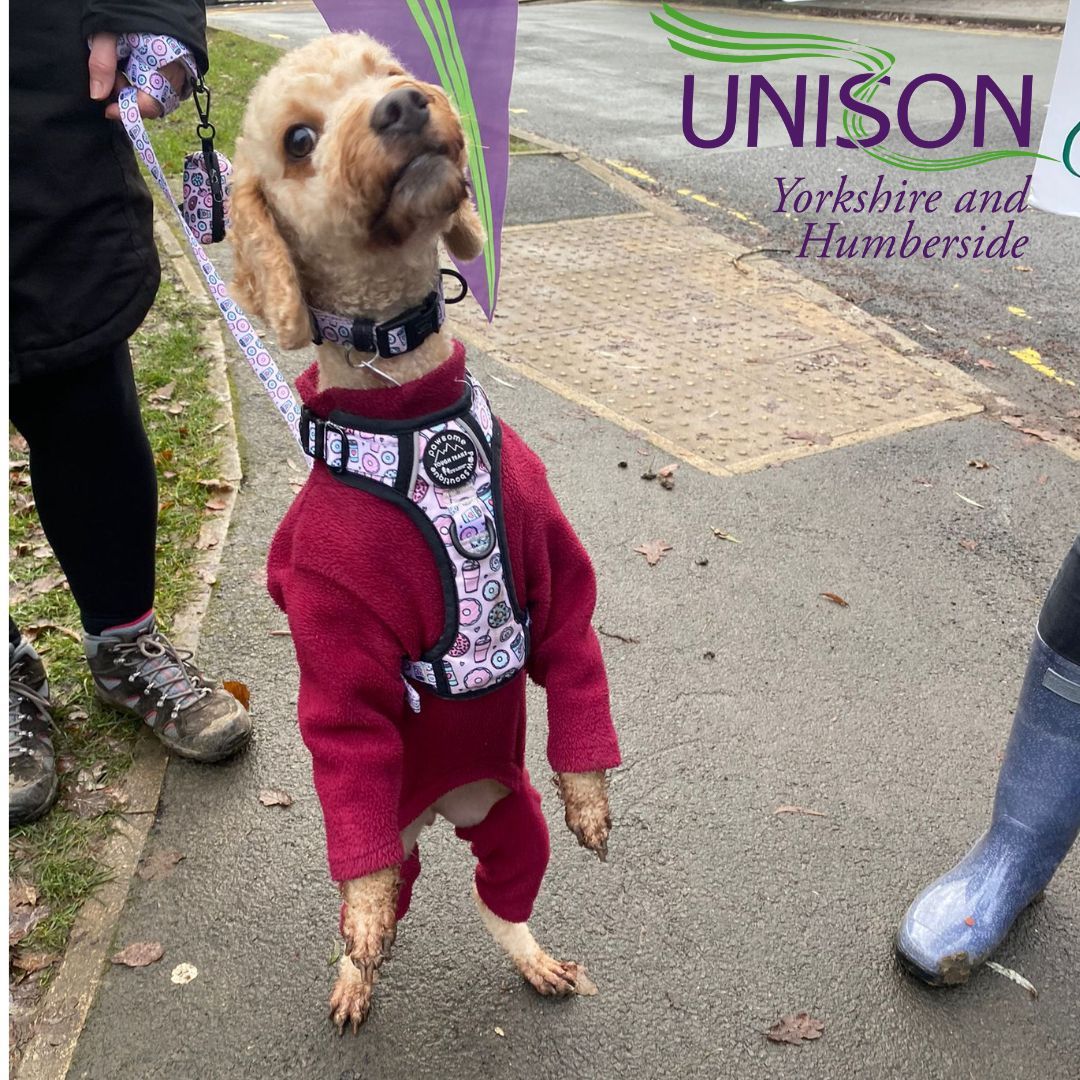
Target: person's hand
column 106, row 81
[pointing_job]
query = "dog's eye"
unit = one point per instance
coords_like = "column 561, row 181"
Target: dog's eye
column 300, row 141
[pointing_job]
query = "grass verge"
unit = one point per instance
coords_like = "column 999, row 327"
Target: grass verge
column 53, row 863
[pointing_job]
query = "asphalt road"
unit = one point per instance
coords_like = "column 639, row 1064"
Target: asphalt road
column 601, row 77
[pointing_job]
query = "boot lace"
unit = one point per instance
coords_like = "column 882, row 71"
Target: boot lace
column 18, row 726
column 166, row 670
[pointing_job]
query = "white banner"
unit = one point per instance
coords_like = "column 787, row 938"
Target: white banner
column 1055, row 185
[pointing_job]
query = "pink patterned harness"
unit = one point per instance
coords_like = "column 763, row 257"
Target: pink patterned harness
column 443, row 470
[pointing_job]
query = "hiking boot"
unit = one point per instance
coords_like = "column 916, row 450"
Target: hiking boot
column 138, row 671
column 32, row 781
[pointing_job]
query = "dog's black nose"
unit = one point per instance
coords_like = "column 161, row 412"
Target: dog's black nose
column 401, row 112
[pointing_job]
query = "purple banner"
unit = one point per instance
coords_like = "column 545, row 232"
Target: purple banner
column 467, row 46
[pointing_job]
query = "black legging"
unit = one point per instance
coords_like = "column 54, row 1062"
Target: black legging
column 94, row 483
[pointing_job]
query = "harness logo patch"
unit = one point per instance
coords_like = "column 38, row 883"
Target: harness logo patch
column 450, row 459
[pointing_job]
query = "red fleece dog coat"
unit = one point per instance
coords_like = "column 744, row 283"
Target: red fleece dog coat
column 362, row 592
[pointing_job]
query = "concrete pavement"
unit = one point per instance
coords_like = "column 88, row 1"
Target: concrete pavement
column 744, row 690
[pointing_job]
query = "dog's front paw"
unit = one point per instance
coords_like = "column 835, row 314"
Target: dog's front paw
column 350, row 1001
column 588, row 815
column 368, row 924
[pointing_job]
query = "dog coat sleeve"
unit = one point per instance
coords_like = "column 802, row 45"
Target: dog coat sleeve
column 350, row 687
column 565, row 657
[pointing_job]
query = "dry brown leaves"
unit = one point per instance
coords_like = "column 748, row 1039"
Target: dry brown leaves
column 24, row 912
column 653, row 550
column 795, row 1029
column 274, row 797
column 239, row 691
column 805, row 811
column 159, row 864
column 139, row 954
column 834, row 599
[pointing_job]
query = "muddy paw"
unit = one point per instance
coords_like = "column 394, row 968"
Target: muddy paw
column 555, row 978
column 588, row 815
column 350, row 1001
column 368, row 923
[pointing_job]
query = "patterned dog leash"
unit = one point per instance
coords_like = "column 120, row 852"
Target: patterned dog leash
column 260, row 361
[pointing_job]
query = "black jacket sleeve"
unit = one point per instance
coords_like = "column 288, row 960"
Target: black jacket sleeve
column 184, row 20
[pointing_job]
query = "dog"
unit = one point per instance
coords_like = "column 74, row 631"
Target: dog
column 425, row 567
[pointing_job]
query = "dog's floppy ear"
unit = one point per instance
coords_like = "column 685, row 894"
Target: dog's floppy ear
column 265, row 278
column 464, row 236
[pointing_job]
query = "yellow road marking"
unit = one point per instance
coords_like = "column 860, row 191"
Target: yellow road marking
column 1033, row 359
column 637, row 174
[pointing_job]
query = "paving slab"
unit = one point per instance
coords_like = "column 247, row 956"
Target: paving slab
column 659, row 324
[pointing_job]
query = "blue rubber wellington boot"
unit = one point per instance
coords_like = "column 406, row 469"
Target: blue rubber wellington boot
column 959, row 920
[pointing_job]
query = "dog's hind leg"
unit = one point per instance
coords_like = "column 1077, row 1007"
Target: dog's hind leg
column 509, row 838
column 545, row 974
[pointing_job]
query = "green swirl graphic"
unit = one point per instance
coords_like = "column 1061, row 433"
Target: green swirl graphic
column 705, row 41
column 436, row 24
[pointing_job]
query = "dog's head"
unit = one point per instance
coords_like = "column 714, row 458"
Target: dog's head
column 347, row 173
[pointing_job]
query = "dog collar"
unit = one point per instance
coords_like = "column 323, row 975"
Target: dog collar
column 392, row 337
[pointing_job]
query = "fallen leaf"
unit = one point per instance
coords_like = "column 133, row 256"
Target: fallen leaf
column 184, row 973
column 667, row 476
column 1022, row 269
column 34, row 961
column 165, row 455
column 969, row 545
column 216, row 505
column 721, row 535
column 22, row 504
column 163, row 393
column 795, row 1029
column 1013, row 976
column 653, row 550
column 205, row 543
column 159, row 864
column 176, row 408
column 239, row 691
column 90, row 801
column 978, row 463
column 139, row 954
column 1038, row 433
column 215, row 483
column 32, row 630
column 988, row 364
column 22, row 921
column 583, row 985
column 833, row 598
column 168, row 475
column 971, row 502
column 274, row 797
column 45, row 584
column 804, row 810
column 21, row 894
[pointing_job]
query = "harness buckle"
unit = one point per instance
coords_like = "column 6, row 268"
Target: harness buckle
column 310, row 423
column 329, row 426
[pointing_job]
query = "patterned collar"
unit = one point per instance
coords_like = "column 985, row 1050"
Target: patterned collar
column 395, row 336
